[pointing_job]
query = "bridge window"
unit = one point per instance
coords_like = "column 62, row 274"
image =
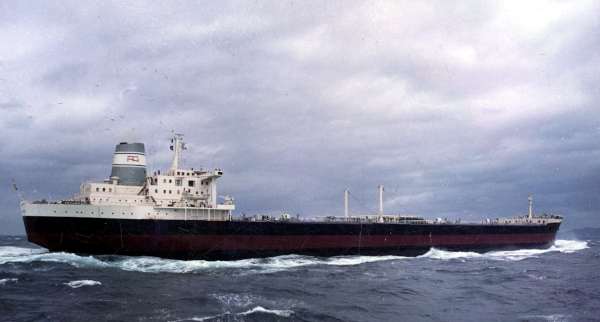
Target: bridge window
column 191, row 183
column 103, row 189
column 178, row 182
column 97, row 189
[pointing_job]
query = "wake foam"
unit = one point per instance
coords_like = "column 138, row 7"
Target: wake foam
column 160, row 265
column 10, row 251
column 77, row 284
column 563, row 246
column 146, row 264
column 68, row 258
column 266, row 265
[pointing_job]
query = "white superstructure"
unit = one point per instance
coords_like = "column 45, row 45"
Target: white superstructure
column 182, row 194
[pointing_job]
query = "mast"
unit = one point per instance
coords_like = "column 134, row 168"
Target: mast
column 380, row 201
column 529, row 197
column 152, row 160
column 176, row 146
column 346, row 203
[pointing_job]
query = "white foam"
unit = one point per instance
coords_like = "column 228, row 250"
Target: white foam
column 563, row 246
column 10, row 251
column 357, row 260
column 77, row 284
column 569, row 246
column 72, row 259
column 8, row 280
column 258, row 309
column 264, row 265
column 258, row 265
column 552, row 318
column 284, row 313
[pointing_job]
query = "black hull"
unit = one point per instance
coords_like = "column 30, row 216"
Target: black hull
column 232, row 240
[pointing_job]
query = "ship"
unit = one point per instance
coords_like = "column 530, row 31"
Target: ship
column 180, row 215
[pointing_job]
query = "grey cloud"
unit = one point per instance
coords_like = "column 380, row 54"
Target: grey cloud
column 459, row 110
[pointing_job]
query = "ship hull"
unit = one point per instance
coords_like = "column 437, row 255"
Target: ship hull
column 232, row 240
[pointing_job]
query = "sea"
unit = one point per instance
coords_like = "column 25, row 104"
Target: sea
column 561, row 283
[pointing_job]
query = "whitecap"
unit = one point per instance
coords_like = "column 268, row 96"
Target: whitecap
column 552, row 318
column 72, row 259
column 77, row 284
column 255, row 265
column 258, row 265
column 284, row 313
column 10, row 251
column 569, row 246
column 258, row 309
column 563, row 246
column 444, row 254
column 8, row 280
column 357, row 260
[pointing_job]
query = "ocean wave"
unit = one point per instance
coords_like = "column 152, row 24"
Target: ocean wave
column 10, row 251
column 569, row 246
column 284, row 313
column 264, row 265
column 563, row 246
column 8, row 280
column 160, row 265
column 68, row 258
column 256, row 265
column 228, row 315
column 551, row 318
column 77, row 284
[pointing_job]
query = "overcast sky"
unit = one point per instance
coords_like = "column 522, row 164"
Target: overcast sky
column 460, row 110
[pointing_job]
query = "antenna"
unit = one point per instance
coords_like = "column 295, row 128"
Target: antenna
column 151, row 160
column 380, row 201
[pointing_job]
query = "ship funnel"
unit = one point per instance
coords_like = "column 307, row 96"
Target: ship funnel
column 129, row 164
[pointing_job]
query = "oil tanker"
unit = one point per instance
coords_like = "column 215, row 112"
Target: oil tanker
column 178, row 215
